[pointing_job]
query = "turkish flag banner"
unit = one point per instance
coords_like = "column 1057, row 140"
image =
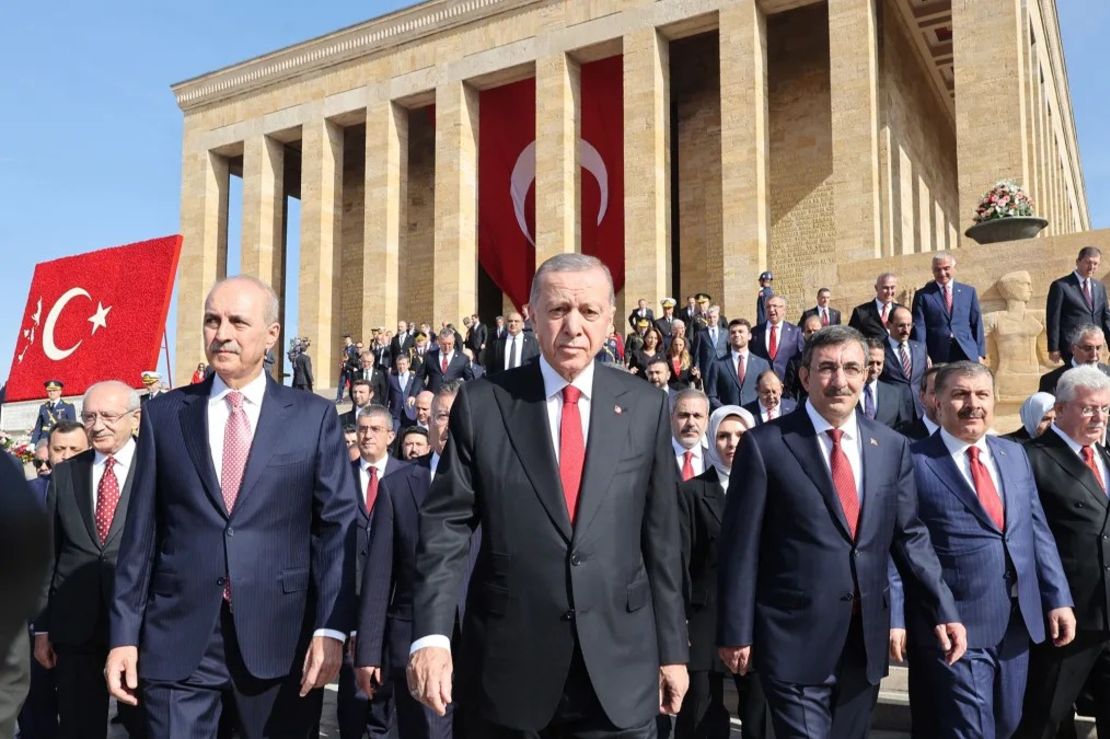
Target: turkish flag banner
column 507, row 176
column 95, row 316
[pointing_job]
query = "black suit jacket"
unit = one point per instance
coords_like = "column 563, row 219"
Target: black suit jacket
column 401, row 343
column 610, row 583
column 701, row 504
column 894, row 407
column 914, row 430
column 378, row 380
column 529, row 350
column 786, row 407
column 635, row 316
column 24, row 551
column 82, row 572
column 360, row 529
column 302, row 371
column 1049, row 380
column 834, row 316
column 432, row 373
column 1066, row 308
column 868, row 321
column 1076, row 509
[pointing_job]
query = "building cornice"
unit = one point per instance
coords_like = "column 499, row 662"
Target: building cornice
column 354, row 42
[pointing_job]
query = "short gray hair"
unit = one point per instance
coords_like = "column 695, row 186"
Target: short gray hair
column 963, row 368
column 686, row 394
column 272, row 304
column 1082, row 330
column 571, row 262
column 832, row 336
column 1086, row 378
column 944, row 256
column 885, row 276
column 376, row 410
column 133, row 400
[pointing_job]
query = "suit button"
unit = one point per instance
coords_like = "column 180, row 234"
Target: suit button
column 230, row 531
column 575, row 560
column 569, row 615
column 220, row 581
column 855, row 552
column 847, row 596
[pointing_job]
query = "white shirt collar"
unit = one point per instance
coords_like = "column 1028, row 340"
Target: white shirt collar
column 739, row 352
column 553, row 382
column 895, row 344
column 929, row 425
column 879, row 305
column 380, row 464
column 1080, row 277
column 850, row 427
column 1074, row 445
column 123, row 457
column 252, row 391
column 958, row 447
column 696, row 450
column 433, row 463
column 943, row 287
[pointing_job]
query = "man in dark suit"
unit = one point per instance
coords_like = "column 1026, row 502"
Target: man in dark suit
column 731, row 379
column 232, row 582
column 580, row 564
column 828, row 315
column 712, row 342
column 946, row 316
column 1077, row 298
column 477, row 337
column 302, row 366
column 870, row 318
column 641, row 311
column 378, row 379
column 663, row 322
column 765, row 293
column 906, row 360
column 977, row 495
column 358, row 713
column 926, row 424
column 379, row 350
column 777, row 340
column 1071, row 468
column 689, row 311
column 817, row 503
column 363, row 396
column 769, row 403
column 403, row 386
column 348, row 363
column 791, row 384
column 444, row 364
column 498, row 330
column 402, row 341
column 52, row 410
column 88, row 501
column 888, row 403
column 1087, row 344
column 515, row 348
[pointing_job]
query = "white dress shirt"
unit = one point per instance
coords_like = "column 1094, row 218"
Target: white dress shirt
column 364, row 474
column 929, row 425
column 767, row 336
column 736, row 362
column 697, row 456
column 433, row 465
column 123, row 459
column 218, row 413
column 957, row 448
column 850, row 443
column 874, row 385
column 510, row 341
column 765, row 412
column 879, row 307
column 553, row 384
column 1076, row 447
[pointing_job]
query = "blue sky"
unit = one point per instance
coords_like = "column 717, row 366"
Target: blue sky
column 90, row 135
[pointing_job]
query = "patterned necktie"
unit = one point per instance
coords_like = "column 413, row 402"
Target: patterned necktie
column 948, row 298
column 885, row 313
column 1089, row 460
column 907, row 365
column 985, row 489
column 107, row 497
column 237, row 445
column 868, row 401
column 371, row 489
column 844, row 481
column 741, row 370
column 572, row 449
column 1087, row 294
column 687, row 465
column 773, row 347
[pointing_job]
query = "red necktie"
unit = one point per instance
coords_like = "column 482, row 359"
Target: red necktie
column 948, row 298
column 107, row 497
column 773, row 347
column 1087, row 294
column 824, row 317
column 1089, row 459
column 443, row 364
column 844, row 482
column 371, row 489
column 572, row 449
column 687, row 465
column 740, row 369
column 985, row 489
column 886, row 312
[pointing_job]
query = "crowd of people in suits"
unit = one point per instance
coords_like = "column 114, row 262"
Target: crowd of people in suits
column 783, row 506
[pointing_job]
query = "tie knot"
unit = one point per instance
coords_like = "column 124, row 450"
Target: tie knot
column 1088, row 454
column 835, row 435
column 973, row 453
column 235, row 400
column 373, row 470
column 110, row 460
column 571, row 394
column 687, row 455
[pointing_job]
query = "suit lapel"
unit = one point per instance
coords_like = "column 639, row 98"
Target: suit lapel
column 194, row 429
column 360, row 495
column 1006, row 475
column 801, row 438
column 944, row 467
column 713, row 498
column 873, row 474
column 1060, row 453
column 608, row 439
column 524, row 412
column 273, row 424
column 81, row 482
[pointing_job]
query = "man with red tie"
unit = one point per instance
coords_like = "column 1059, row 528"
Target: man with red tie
column 88, row 500
column 777, row 340
column 689, row 416
column 871, row 318
column 826, row 314
column 576, row 625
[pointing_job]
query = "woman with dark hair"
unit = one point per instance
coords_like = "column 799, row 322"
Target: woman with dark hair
column 683, row 372
column 653, row 346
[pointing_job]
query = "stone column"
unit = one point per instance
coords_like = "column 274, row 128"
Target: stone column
column 854, row 81
column 387, row 135
column 262, row 251
column 990, row 98
column 745, row 214
column 456, row 203
column 204, row 200
column 321, row 220
column 647, row 211
column 558, row 173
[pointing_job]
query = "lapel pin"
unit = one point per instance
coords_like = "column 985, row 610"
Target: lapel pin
column 874, row 442
column 618, row 410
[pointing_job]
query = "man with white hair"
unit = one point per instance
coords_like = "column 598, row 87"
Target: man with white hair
column 1086, row 344
column 946, row 316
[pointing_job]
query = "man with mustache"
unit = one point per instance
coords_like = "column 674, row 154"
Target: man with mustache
column 977, row 495
column 817, row 503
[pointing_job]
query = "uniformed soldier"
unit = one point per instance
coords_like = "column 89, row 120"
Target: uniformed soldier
column 53, row 410
column 152, row 381
column 702, row 315
column 765, row 293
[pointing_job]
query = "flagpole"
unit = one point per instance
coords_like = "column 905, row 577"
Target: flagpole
column 166, row 346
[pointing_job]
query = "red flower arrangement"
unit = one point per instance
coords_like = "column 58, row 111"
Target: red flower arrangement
column 20, row 449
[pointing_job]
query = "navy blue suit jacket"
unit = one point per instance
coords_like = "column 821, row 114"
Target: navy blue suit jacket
column 790, row 571
column 893, row 373
column 790, row 343
column 936, row 328
column 284, row 545
column 723, row 386
column 432, row 374
column 705, row 351
column 980, row 562
column 1066, row 308
column 360, row 531
column 398, row 396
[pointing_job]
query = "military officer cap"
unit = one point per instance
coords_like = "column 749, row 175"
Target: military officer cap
column 421, row 336
column 702, row 297
column 53, row 384
column 668, row 302
column 150, row 377
column 643, row 323
column 766, row 276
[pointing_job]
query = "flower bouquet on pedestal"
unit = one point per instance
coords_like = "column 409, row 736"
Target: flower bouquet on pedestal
column 1005, row 213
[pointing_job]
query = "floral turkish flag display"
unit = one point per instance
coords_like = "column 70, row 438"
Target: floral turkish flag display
column 95, row 316
column 507, row 176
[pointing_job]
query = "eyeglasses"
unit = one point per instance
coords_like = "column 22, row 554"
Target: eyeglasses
column 849, row 370
column 39, row 462
column 88, row 418
column 1087, row 411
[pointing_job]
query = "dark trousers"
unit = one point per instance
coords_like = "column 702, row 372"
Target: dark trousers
column 838, row 708
column 39, row 717
column 414, row 719
column 83, row 696
column 191, row 708
column 1056, row 678
column 981, row 695
column 357, row 715
column 705, row 716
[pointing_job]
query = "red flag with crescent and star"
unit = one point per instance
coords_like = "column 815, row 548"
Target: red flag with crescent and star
column 507, row 176
column 95, row 316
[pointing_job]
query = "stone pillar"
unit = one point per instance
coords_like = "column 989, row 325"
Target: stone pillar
column 263, row 240
column 204, row 200
column 321, row 220
column 387, row 136
column 990, row 97
column 558, row 173
column 745, row 214
column 647, row 210
column 455, row 293
column 854, row 81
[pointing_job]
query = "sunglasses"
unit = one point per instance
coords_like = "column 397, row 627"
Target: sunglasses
column 39, row 463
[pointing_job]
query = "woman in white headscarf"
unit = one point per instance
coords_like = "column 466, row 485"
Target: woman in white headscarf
column 702, row 504
column 1037, row 414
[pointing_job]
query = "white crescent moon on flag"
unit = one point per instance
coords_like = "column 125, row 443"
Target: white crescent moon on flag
column 48, row 346
column 524, row 173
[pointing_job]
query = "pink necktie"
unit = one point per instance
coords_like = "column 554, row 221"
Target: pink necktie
column 107, row 498
column 237, row 445
column 443, row 364
column 572, row 449
column 948, row 298
column 1087, row 294
column 885, row 313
